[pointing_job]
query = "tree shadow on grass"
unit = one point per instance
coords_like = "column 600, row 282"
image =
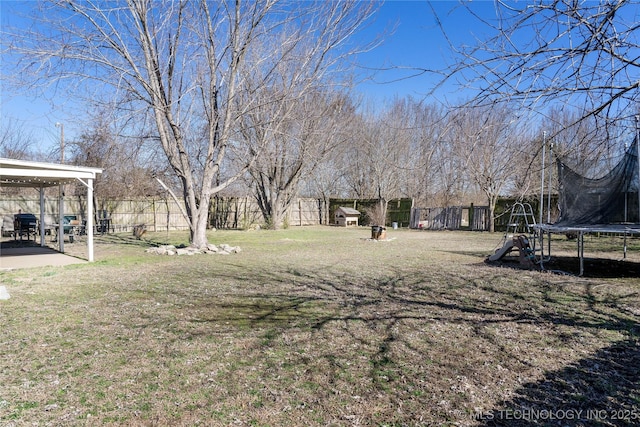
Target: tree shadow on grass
column 601, row 390
column 295, row 297
column 123, row 239
column 388, row 321
column 592, row 267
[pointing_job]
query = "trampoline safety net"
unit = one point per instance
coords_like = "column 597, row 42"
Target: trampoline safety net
column 610, row 199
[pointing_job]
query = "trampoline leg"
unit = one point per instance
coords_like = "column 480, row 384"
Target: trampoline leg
column 581, row 251
column 541, row 241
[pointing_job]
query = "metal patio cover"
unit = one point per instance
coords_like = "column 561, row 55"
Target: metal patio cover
column 23, row 173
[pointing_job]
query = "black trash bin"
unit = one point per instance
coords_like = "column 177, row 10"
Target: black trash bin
column 378, row 232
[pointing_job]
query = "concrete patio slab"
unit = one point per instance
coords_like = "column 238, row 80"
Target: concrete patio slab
column 34, row 256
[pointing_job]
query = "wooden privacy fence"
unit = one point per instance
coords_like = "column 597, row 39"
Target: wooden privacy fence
column 474, row 218
column 117, row 215
column 160, row 214
column 242, row 212
column 155, row 214
column 164, row 214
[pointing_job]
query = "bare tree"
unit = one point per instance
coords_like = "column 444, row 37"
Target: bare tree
column 300, row 133
column 392, row 153
column 576, row 56
column 451, row 180
column 16, row 142
column 380, row 156
column 584, row 145
column 330, row 177
column 424, row 123
column 489, row 141
column 354, row 165
column 186, row 64
column 128, row 165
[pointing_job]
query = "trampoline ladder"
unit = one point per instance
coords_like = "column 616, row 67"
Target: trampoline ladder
column 521, row 220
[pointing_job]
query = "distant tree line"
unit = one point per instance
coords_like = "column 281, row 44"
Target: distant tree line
column 411, row 149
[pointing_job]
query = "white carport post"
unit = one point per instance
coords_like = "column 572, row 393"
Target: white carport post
column 89, row 226
column 41, row 216
column 61, row 219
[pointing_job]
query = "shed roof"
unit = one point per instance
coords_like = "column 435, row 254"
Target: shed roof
column 348, row 211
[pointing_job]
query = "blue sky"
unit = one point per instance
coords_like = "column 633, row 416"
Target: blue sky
column 416, row 43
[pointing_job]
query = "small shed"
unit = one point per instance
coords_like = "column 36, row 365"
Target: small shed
column 346, row 217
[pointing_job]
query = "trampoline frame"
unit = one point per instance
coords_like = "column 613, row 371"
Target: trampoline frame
column 625, row 230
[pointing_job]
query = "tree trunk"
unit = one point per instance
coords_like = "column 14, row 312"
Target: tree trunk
column 275, row 212
column 276, row 217
column 492, row 201
column 199, row 220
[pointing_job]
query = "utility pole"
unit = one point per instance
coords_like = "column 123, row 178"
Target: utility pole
column 638, row 162
column 61, row 126
column 550, row 182
column 544, row 154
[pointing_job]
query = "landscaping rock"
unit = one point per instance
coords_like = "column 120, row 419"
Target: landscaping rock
column 230, row 249
column 211, row 249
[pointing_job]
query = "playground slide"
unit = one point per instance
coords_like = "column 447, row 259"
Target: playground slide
column 502, row 251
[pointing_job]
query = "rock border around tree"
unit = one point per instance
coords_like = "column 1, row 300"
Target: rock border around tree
column 210, row 249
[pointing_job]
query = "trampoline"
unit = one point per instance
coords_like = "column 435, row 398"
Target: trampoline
column 580, row 230
column 607, row 204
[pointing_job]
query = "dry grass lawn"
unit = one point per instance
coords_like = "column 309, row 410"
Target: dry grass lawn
column 320, row 327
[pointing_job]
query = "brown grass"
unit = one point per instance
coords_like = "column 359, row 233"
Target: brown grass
column 318, row 326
